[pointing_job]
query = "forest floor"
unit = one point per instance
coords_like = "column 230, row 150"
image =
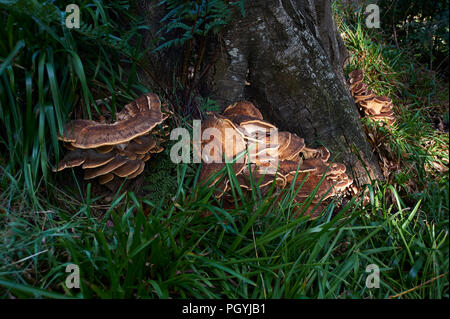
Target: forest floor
column 155, row 244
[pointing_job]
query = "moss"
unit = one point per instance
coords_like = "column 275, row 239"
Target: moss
column 162, row 178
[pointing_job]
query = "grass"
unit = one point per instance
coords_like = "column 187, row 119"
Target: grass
column 161, row 250
column 178, row 241
column 52, row 72
column 417, row 149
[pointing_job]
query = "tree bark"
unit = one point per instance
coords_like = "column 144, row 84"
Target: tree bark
column 286, row 57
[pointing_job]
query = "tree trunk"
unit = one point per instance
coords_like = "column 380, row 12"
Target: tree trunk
column 286, row 57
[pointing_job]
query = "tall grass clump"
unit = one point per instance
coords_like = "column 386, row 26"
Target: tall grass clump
column 192, row 246
column 48, row 71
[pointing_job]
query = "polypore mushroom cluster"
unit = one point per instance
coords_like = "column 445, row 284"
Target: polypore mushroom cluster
column 264, row 156
column 118, row 149
column 377, row 108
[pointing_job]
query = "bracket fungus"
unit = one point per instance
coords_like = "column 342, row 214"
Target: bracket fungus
column 377, row 108
column 268, row 158
column 118, row 149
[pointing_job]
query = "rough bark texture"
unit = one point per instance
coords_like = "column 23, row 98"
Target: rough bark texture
column 290, row 55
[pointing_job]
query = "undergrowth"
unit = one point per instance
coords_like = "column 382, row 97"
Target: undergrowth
column 178, row 241
column 173, row 249
column 48, row 72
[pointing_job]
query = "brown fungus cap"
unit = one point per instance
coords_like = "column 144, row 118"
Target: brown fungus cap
column 310, row 182
column 71, row 159
column 105, row 178
column 292, row 167
column 146, row 102
column 356, row 76
column 260, row 180
column 383, row 99
column 128, row 111
column 105, row 169
column 324, row 153
column 338, row 167
column 296, row 145
column 242, row 108
column 284, row 139
column 138, row 172
column 231, row 143
column 342, row 183
column 128, row 168
column 372, row 104
column 367, row 96
column 359, row 89
column 387, row 108
column 258, row 150
column 118, row 132
column 321, row 167
column 105, row 149
column 210, row 177
column 146, row 144
column 384, row 117
column 72, row 129
column 156, row 149
column 69, row 146
column 254, row 126
column 95, row 159
column 208, row 171
column 309, row 152
column 126, row 153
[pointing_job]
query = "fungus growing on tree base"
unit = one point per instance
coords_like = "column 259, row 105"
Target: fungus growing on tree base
column 377, row 108
column 271, row 158
column 119, row 149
